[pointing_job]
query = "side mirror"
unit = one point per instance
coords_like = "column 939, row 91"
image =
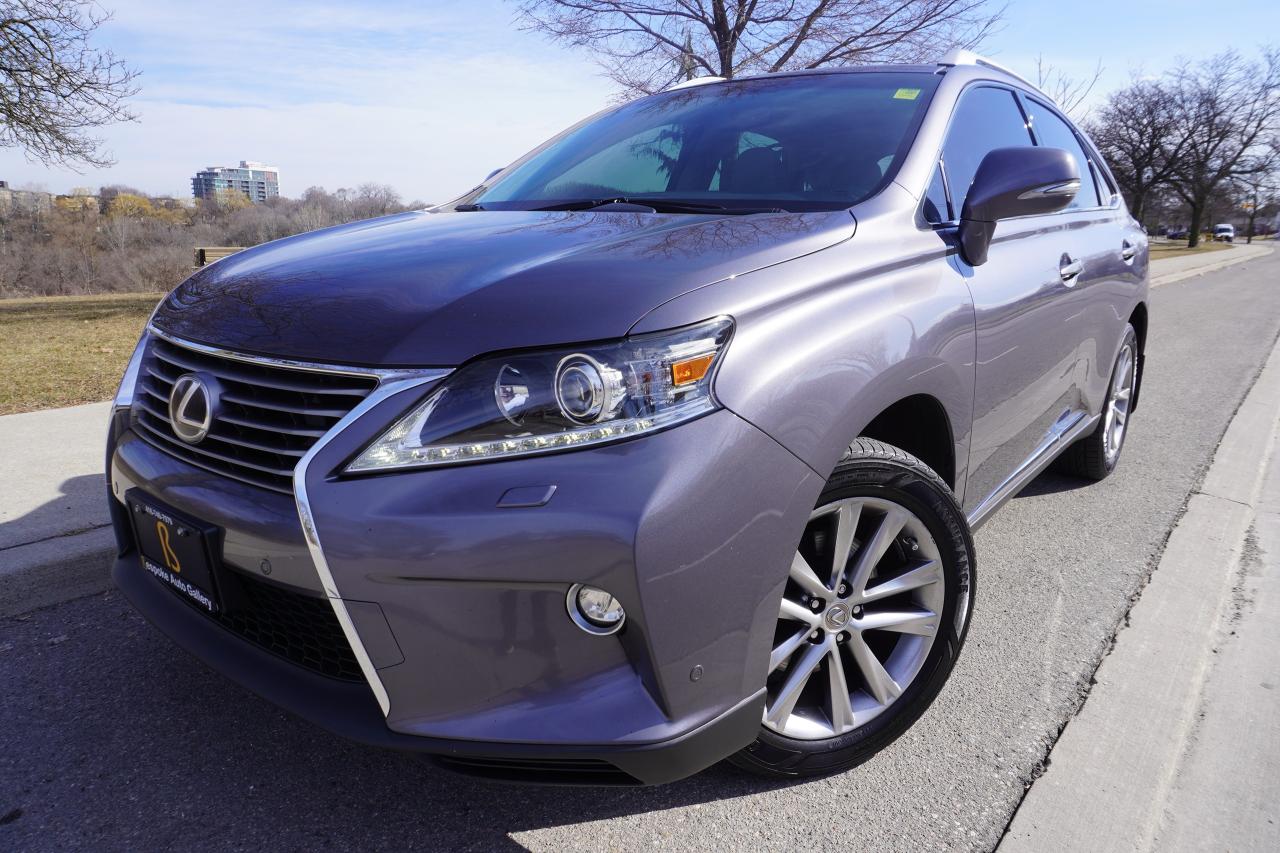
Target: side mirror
column 489, row 176
column 1014, row 182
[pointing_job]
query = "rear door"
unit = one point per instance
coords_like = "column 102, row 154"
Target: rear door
column 1027, row 385
column 1108, row 243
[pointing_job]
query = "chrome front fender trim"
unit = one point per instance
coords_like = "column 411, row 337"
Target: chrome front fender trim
column 391, row 382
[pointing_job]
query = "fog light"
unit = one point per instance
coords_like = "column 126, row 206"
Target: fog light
column 594, row 610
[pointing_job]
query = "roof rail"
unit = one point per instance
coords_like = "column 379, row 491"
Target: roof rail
column 960, row 56
column 696, row 81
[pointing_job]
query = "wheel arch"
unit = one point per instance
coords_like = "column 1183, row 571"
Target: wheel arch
column 1138, row 319
column 918, row 424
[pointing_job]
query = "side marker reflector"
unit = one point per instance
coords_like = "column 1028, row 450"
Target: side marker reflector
column 690, row 370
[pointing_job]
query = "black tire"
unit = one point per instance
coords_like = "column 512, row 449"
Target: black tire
column 874, row 469
column 1087, row 458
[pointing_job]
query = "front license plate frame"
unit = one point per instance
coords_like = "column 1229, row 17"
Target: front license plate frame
column 176, row 549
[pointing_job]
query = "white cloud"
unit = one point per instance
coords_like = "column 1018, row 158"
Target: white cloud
column 429, row 101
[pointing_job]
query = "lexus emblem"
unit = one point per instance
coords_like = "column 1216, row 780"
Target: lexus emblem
column 191, row 406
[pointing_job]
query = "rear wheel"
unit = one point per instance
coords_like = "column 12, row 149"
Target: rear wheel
column 871, row 619
column 1097, row 454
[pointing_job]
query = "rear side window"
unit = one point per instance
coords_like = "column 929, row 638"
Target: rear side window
column 987, row 118
column 1053, row 132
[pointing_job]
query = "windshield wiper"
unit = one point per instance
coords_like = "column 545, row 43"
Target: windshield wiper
column 658, row 205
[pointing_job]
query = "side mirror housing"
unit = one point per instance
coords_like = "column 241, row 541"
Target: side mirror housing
column 1010, row 182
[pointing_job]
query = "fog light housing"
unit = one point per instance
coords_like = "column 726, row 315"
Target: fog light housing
column 594, row 610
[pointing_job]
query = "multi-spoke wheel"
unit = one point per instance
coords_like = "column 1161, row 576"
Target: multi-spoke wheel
column 858, row 617
column 872, row 614
column 1117, row 411
column 1095, row 456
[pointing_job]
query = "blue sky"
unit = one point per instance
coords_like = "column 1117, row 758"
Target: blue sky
column 431, row 96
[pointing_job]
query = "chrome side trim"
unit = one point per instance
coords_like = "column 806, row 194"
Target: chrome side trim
column 393, row 383
column 1030, row 469
column 379, row 373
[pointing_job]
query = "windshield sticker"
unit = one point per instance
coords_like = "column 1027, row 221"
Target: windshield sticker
column 906, row 94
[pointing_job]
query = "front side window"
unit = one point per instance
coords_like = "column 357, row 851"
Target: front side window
column 809, row 142
column 986, row 118
column 1053, row 132
column 936, row 206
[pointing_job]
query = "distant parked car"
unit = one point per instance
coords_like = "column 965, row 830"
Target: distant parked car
column 1177, row 233
column 1224, row 233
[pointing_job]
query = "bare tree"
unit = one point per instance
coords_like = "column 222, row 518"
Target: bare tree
column 54, row 86
column 1136, row 131
column 1070, row 93
column 647, row 45
column 1226, row 110
column 1261, row 184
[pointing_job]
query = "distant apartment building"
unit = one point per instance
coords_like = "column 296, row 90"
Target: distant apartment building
column 256, row 180
column 23, row 201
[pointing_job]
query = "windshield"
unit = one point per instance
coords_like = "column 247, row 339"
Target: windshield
column 811, row 142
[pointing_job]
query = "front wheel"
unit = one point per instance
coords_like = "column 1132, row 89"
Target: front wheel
column 872, row 616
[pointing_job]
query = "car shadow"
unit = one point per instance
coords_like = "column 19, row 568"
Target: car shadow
column 1051, row 483
column 81, row 505
column 114, row 716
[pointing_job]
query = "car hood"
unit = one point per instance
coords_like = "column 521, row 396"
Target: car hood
column 435, row 289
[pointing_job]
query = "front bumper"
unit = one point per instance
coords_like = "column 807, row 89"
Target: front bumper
column 348, row 709
column 460, row 603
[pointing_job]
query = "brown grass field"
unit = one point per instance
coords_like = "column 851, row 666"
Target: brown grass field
column 1178, row 248
column 64, row 350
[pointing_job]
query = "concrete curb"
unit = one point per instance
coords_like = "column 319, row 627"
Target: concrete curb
column 1112, row 769
column 55, row 570
column 1234, row 256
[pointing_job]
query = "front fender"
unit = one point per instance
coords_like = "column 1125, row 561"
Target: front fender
column 826, row 342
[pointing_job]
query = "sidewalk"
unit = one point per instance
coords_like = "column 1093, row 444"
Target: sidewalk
column 1177, row 746
column 1169, row 270
column 53, row 511
column 54, row 542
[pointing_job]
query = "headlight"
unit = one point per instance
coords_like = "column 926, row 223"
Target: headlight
column 537, row 402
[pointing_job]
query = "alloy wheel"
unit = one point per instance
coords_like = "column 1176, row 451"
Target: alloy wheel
column 859, row 613
column 1117, row 412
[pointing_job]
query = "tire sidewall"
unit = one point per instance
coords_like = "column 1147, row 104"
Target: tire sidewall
column 937, row 509
column 1129, row 337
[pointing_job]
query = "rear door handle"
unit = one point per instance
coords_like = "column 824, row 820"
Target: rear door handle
column 1128, row 250
column 1069, row 269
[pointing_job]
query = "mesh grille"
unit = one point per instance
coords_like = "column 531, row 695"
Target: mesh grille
column 298, row 627
column 268, row 416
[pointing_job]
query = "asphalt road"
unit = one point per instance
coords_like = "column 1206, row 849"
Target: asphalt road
column 114, row 739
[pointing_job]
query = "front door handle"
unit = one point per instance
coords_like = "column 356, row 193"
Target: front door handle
column 1069, row 269
column 1128, row 250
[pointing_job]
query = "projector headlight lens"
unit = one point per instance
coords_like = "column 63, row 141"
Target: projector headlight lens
column 548, row 400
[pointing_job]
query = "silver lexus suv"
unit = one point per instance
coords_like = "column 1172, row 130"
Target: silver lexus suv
column 663, row 445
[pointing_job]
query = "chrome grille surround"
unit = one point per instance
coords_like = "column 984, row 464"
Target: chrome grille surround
column 386, row 382
column 271, row 411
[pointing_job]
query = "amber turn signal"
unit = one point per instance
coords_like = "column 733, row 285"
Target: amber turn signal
column 690, row 370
